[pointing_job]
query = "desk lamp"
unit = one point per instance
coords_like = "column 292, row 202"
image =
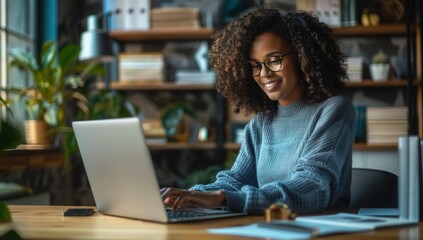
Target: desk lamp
column 95, row 43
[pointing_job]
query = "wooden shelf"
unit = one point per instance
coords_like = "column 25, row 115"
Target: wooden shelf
column 29, row 157
column 356, row 147
column 160, row 86
column 374, row 147
column 163, row 34
column 389, row 83
column 183, row 146
column 383, row 29
column 231, row 146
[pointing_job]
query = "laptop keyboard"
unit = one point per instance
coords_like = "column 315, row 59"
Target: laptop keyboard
column 184, row 214
column 193, row 213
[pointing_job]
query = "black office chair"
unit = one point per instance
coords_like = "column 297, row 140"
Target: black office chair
column 372, row 188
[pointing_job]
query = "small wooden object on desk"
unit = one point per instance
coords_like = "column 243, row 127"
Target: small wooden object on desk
column 279, row 211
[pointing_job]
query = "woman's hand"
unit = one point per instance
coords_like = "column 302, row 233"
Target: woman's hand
column 181, row 198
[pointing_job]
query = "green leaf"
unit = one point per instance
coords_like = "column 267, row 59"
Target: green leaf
column 48, row 54
column 172, row 116
column 10, row 235
column 10, row 136
column 24, row 61
column 67, row 56
column 5, row 215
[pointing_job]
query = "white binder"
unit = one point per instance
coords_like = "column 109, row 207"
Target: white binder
column 136, row 14
column 112, row 9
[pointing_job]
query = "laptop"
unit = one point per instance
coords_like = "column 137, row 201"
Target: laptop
column 122, row 175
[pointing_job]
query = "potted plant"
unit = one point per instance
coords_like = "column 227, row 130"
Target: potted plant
column 173, row 122
column 54, row 94
column 53, row 74
column 379, row 68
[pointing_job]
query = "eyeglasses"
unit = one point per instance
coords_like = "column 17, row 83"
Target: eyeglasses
column 273, row 64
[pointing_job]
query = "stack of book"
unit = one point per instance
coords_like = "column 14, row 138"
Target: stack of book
column 172, row 17
column 144, row 67
column 386, row 124
column 154, row 131
column 328, row 11
column 355, row 69
column 195, row 76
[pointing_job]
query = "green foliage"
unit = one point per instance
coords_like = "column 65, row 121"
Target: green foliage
column 54, row 75
column 207, row 175
column 10, row 235
column 54, row 93
column 110, row 104
column 173, row 115
column 5, row 215
column 10, row 136
column 380, row 57
column 202, row 176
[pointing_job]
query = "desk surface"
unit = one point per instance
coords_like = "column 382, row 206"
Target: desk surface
column 46, row 222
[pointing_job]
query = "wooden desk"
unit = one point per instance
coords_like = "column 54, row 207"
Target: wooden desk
column 26, row 157
column 46, row 222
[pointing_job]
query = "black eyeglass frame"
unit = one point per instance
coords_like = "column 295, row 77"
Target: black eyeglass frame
column 264, row 63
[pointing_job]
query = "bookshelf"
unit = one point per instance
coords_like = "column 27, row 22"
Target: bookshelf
column 141, row 87
column 187, row 34
column 368, row 83
column 136, row 86
column 383, row 29
column 179, row 33
column 410, row 85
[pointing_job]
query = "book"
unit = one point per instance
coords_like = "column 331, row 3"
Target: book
column 328, row 11
column 171, row 17
column 144, row 67
column 312, row 226
column 409, row 179
column 386, row 124
column 355, row 221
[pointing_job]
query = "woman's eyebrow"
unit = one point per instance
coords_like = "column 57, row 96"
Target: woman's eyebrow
column 270, row 54
column 275, row 52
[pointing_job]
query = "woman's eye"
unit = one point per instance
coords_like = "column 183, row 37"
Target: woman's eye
column 254, row 65
column 273, row 61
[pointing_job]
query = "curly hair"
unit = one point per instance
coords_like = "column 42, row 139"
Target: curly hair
column 322, row 67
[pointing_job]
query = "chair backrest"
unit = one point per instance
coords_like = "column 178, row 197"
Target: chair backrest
column 372, row 188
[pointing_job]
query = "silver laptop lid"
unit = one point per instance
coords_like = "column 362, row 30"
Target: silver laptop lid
column 119, row 168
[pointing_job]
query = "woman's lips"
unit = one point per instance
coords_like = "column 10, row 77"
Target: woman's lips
column 271, row 85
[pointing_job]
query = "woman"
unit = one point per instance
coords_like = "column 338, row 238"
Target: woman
column 297, row 149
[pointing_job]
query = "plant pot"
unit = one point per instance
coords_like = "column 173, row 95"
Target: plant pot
column 379, row 71
column 36, row 133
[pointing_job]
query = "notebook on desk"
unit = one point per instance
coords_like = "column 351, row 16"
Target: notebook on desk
column 122, row 175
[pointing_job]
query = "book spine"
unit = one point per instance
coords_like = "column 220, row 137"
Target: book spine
column 403, row 177
column 413, row 208
column 353, row 13
column 421, row 181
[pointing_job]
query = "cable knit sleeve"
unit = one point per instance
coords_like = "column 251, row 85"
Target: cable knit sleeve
column 243, row 172
column 321, row 175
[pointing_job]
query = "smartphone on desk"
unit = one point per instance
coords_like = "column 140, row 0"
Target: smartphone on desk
column 78, row 212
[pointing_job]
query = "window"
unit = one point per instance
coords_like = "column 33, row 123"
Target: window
column 18, row 22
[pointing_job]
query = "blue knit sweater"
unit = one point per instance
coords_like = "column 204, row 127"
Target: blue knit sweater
column 301, row 156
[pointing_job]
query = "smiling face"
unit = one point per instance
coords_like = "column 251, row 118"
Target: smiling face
column 279, row 85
